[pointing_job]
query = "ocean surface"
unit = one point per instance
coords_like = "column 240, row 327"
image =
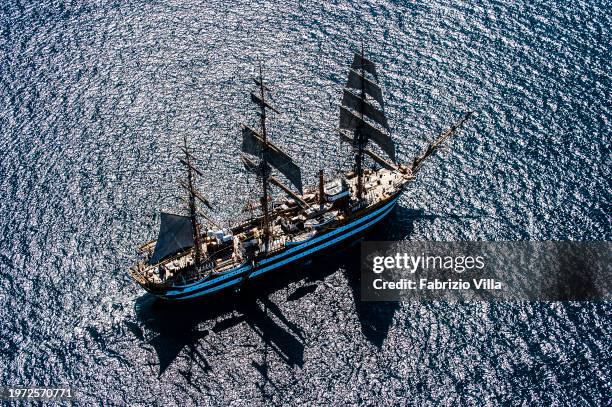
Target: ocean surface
column 96, row 97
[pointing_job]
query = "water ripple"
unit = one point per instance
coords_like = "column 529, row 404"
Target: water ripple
column 96, row 97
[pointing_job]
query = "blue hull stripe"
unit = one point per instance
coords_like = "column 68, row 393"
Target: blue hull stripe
column 332, row 233
column 199, row 285
column 283, row 262
column 321, row 246
column 215, row 288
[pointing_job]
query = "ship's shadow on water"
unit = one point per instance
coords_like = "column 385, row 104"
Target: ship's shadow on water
column 171, row 328
column 177, row 327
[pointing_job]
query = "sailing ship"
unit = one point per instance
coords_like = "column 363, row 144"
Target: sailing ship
column 187, row 260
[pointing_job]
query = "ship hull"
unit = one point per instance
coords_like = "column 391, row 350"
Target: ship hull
column 240, row 275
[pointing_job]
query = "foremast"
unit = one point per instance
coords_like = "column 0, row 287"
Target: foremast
column 178, row 233
column 363, row 119
column 191, row 202
column 193, row 196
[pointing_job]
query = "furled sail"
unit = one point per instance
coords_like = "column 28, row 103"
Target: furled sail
column 175, row 234
column 350, row 121
column 252, row 143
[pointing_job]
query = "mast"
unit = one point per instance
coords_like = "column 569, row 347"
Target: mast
column 264, row 159
column 359, row 133
column 270, row 157
column 192, row 204
column 363, row 119
column 179, row 232
column 321, row 188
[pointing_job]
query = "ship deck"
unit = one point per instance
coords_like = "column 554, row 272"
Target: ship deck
column 248, row 242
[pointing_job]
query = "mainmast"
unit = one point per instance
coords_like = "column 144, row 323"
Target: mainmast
column 264, row 160
column 258, row 145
